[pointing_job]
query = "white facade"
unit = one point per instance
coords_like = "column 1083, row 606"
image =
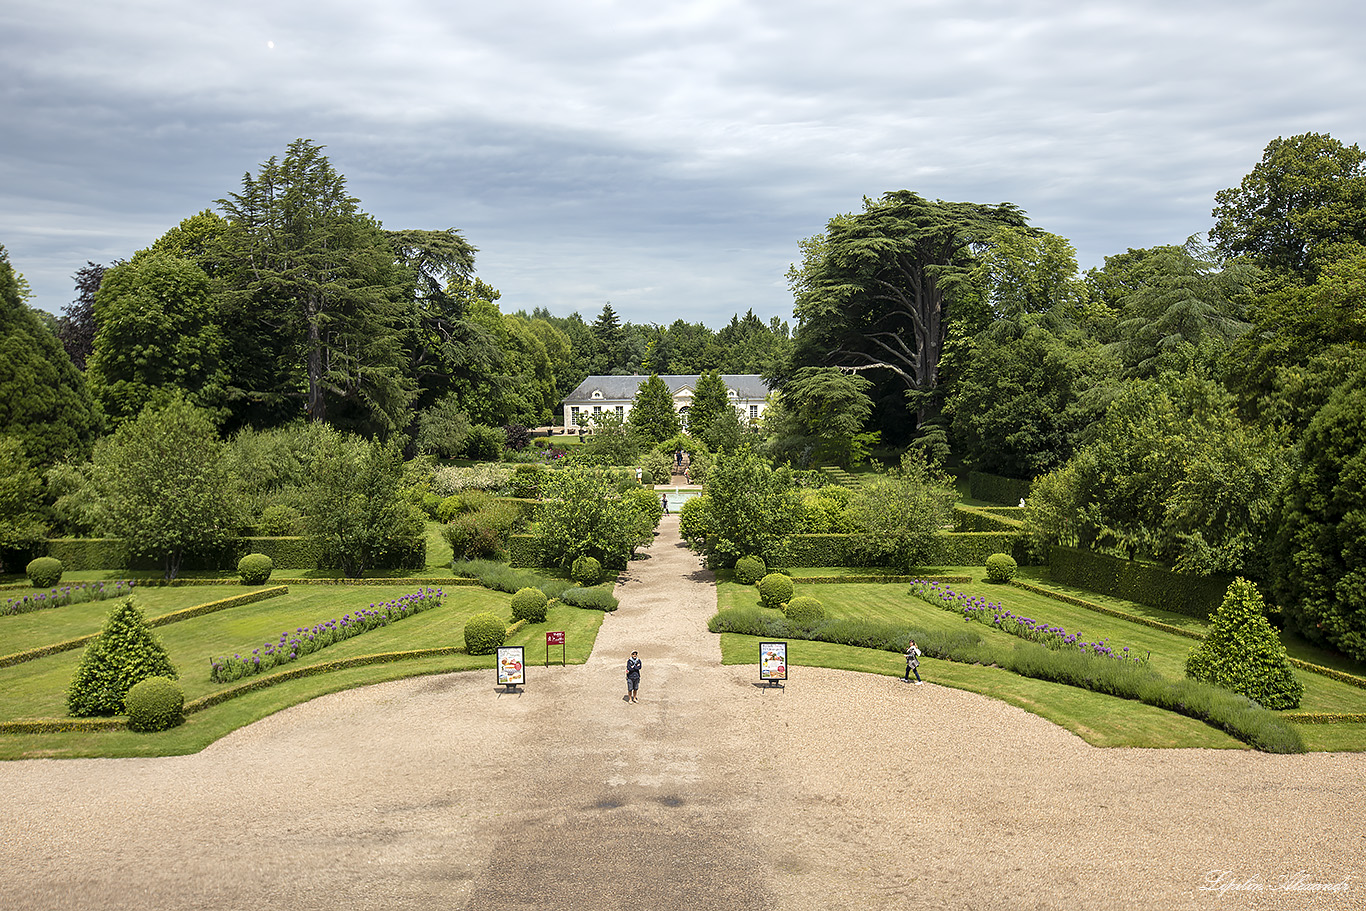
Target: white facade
column 748, row 393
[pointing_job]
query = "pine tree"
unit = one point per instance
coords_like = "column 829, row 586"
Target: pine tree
column 125, row 653
column 652, row 413
column 709, row 400
column 1242, row 652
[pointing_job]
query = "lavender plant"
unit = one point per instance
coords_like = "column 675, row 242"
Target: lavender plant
column 74, row 593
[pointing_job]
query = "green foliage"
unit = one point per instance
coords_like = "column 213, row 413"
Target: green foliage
column 824, row 511
column 125, row 653
column 1242, row 652
column 804, row 609
column 657, row 467
column 751, row 508
column 44, row 572
column 749, row 570
column 590, row 598
column 830, row 407
column 900, row 513
column 44, row 402
column 647, row 505
column 694, row 520
column 484, row 632
column 586, row 571
column 584, row 515
column 157, row 334
column 483, row 535
column 527, row 481
column 255, row 569
column 484, row 443
column 529, row 604
column 1320, row 547
column 996, row 489
column 611, row 442
column 355, row 507
column 775, row 590
column 709, row 401
column 443, row 429
column 278, row 521
column 155, row 704
column 1000, row 568
column 77, row 508
column 22, row 529
column 166, row 507
column 652, row 417
column 1155, row 586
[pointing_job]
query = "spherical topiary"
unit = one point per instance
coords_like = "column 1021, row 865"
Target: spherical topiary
column 44, row 572
column 155, row 704
column 255, row 569
column 484, row 633
column 1000, row 568
column 586, row 571
column 749, row 570
column 775, row 590
column 529, row 605
column 802, row 609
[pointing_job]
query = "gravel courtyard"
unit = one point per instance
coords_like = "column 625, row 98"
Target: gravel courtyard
column 839, row 791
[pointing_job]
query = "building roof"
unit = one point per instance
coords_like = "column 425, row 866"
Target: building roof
column 745, row 386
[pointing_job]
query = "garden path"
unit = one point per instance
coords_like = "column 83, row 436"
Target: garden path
column 840, row 791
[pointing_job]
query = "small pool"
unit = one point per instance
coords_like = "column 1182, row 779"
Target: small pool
column 677, row 496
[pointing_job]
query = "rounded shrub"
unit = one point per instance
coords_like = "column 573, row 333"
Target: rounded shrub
column 1000, row 568
column 155, row 704
column 775, row 590
column 255, row 569
column 586, row 571
column 528, row 604
column 278, row 521
column 749, row 570
column 484, row 633
column 803, row 609
column 44, row 572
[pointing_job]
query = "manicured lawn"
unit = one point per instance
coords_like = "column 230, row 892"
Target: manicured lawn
column 36, row 689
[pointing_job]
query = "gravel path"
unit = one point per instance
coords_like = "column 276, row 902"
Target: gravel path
column 840, row 791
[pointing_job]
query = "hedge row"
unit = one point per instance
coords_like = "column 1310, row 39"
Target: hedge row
column 1155, row 586
column 212, row 606
column 950, row 549
column 977, row 518
column 1325, row 717
column 996, row 489
column 525, row 507
column 1341, row 676
column 524, row 551
column 79, row 554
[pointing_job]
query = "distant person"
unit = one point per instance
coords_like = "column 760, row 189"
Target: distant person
column 912, row 663
column 632, row 676
column 664, row 501
column 678, row 458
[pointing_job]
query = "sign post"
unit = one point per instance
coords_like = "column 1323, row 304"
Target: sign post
column 773, row 663
column 554, row 639
column 511, row 667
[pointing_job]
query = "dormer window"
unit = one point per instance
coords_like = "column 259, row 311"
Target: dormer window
column 730, row 393
column 597, row 393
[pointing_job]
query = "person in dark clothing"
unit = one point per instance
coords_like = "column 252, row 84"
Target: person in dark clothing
column 632, row 677
column 912, row 663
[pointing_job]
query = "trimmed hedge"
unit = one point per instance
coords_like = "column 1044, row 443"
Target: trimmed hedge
column 949, row 549
column 1155, row 586
column 996, row 489
column 978, row 518
column 525, row 551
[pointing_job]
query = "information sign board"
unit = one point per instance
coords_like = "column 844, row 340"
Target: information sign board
column 511, row 666
column 773, row 661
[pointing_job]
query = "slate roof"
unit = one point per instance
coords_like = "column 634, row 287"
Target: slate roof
column 623, row 388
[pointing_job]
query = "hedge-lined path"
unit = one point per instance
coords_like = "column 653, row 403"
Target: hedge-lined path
column 842, row 791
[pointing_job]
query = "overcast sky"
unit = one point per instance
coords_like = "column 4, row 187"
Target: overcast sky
column 664, row 156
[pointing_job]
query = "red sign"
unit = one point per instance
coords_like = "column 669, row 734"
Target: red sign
column 554, row 638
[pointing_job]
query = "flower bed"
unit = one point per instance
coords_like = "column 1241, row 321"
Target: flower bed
column 305, row 640
column 74, row 593
column 975, row 607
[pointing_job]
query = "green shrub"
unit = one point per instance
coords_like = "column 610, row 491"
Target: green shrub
column 1155, row 586
column 527, row 481
column 529, row 604
column 255, row 569
column 749, row 570
column 803, row 609
column 484, row 443
column 124, row 654
column 590, row 598
column 1242, row 652
column 1000, row 568
column 449, row 508
column 482, row 535
column 657, row 467
column 775, row 590
column 44, row 572
column 586, row 571
column 484, row 633
column 278, row 521
column 694, row 520
column 155, row 704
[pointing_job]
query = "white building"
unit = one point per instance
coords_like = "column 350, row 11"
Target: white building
column 598, row 394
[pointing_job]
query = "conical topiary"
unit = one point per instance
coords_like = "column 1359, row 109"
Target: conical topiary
column 1242, row 652
column 124, row 654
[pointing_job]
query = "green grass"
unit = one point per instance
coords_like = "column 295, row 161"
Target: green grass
column 1100, row 719
column 35, row 690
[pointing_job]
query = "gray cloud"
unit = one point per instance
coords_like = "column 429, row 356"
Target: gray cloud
column 667, row 157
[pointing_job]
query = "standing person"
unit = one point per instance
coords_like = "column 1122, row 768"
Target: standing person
column 912, row 662
column 632, row 677
column 664, row 501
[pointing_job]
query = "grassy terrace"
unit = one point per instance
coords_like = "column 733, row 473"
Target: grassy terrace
column 1101, row 720
column 35, row 690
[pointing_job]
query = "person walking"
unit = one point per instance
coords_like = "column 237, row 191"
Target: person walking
column 912, row 663
column 632, row 677
column 664, row 501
